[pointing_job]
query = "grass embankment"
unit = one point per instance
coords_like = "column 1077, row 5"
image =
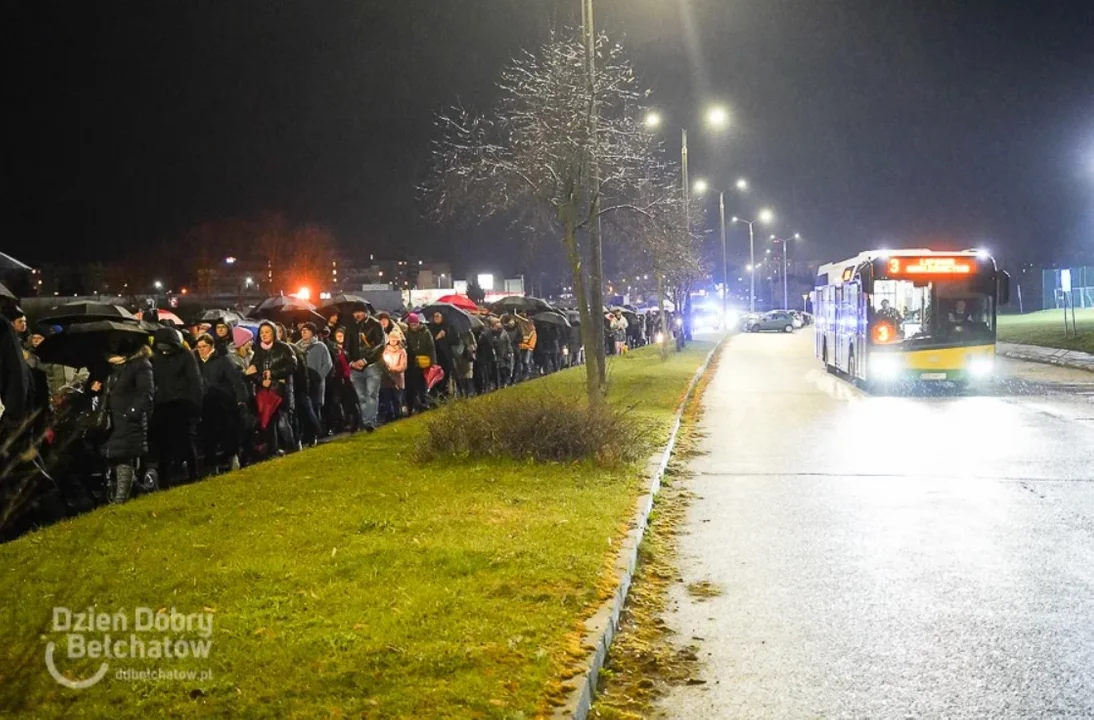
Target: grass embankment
column 1046, row 328
column 344, row 581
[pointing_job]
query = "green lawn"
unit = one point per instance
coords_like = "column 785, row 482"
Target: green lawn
column 1047, row 328
column 344, row 581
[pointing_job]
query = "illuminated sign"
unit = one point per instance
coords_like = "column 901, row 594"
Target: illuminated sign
column 931, row 266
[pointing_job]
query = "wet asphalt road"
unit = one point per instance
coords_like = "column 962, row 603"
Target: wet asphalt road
column 888, row 557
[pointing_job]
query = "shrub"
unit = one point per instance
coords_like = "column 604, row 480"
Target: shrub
column 538, row 425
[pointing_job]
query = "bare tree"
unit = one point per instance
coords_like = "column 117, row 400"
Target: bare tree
column 531, row 158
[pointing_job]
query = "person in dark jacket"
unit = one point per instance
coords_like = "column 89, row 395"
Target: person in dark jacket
column 272, row 369
column 365, row 341
column 421, row 354
column 177, row 404
column 222, row 338
column 225, row 395
column 485, row 362
column 445, row 342
column 503, row 353
column 129, row 395
column 15, row 377
column 516, row 335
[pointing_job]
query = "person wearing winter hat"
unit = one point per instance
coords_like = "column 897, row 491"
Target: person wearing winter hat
column 15, row 376
column 243, row 339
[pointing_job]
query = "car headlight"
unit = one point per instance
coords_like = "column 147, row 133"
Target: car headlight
column 732, row 318
column 884, row 366
column 982, row 366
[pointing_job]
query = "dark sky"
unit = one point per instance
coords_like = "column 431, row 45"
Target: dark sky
column 862, row 122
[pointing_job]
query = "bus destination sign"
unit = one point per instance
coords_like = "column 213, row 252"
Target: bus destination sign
column 931, row 266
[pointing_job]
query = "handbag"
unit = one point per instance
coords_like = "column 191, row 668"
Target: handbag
column 423, row 361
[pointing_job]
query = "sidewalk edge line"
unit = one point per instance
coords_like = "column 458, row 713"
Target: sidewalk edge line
column 602, row 626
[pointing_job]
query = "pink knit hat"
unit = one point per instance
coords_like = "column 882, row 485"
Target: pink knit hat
column 241, row 336
column 413, row 318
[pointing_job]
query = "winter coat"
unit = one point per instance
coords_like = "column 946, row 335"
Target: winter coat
column 223, row 381
column 319, row 364
column 515, row 336
column 129, row 394
column 503, row 347
column 280, row 360
column 420, row 342
column 301, row 376
column 177, row 376
column 484, row 351
column 395, row 362
column 365, row 340
column 528, row 337
column 15, row 379
column 463, row 356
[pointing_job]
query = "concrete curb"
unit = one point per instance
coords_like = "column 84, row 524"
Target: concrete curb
column 601, row 627
column 1046, row 356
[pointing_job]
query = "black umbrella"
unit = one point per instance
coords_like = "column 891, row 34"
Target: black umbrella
column 86, row 344
column 7, row 262
column 346, row 302
column 551, row 318
column 4, row 292
column 574, row 317
column 81, row 312
column 518, row 302
column 286, row 308
column 214, row 316
column 459, row 320
column 632, row 317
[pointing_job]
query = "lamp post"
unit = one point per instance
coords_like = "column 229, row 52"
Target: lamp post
column 717, row 117
column 701, row 186
column 786, row 253
column 764, row 218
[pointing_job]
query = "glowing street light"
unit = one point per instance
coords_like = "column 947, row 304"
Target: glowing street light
column 742, row 184
column 158, row 285
column 653, row 120
column 701, row 187
column 766, row 216
column 717, row 117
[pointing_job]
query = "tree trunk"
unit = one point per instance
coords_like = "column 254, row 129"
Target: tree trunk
column 588, row 335
column 661, row 315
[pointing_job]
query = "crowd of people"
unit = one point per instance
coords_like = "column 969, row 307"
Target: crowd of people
column 217, row 395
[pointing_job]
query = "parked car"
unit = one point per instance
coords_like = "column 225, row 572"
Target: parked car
column 774, row 321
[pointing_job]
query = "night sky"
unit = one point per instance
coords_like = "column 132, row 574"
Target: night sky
column 862, row 122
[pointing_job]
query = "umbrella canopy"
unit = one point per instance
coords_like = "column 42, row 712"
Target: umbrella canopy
column 551, row 318
column 162, row 316
column 574, row 317
column 286, row 308
column 85, row 344
column 346, row 303
column 4, row 292
column 517, row 302
column 80, row 312
column 212, row 316
column 461, row 301
column 459, row 320
column 7, row 262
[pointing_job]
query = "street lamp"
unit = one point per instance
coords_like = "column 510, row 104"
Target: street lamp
column 786, row 252
column 158, row 285
column 742, row 184
column 765, row 217
column 701, row 186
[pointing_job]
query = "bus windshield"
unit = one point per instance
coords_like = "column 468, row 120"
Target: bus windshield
column 951, row 312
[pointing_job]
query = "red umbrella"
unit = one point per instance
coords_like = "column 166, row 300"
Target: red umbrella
column 433, row 376
column 461, row 301
column 266, row 403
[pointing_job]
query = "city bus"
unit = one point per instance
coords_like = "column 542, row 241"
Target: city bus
column 888, row 316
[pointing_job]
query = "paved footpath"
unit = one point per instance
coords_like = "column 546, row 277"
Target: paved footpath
column 1052, row 356
column 888, row 557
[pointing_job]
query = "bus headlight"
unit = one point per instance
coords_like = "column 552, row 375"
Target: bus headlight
column 982, row 366
column 884, row 366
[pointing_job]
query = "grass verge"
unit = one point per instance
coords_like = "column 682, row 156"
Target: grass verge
column 645, row 658
column 1046, row 328
column 344, row 581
